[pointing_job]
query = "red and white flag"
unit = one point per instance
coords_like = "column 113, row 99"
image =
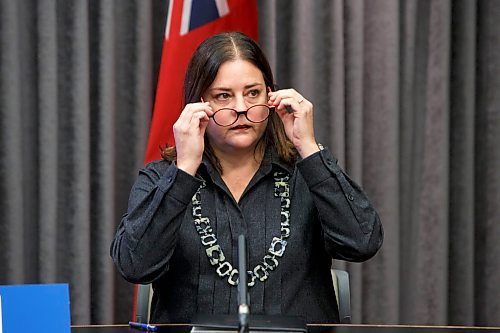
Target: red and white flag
column 189, row 22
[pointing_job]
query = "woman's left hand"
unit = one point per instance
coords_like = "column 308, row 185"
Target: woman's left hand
column 299, row 126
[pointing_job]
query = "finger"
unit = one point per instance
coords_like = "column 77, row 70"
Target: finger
column 284, row 92
column 282, row 113
column 276, row 99
column 205, row 106
column 288, row 91
column 201, row 115
column 191, row 109
column 209, row 111
column 195, row 107
column 191, row 115
column 289, row 104
column 196, row 122
column 203, row 125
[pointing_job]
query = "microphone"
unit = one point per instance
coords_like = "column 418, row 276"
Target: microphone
column 243, row 297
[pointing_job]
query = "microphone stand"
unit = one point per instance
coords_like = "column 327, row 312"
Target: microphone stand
column 243, row 297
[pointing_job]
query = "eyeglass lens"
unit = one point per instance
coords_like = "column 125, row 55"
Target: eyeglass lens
column 255, row 114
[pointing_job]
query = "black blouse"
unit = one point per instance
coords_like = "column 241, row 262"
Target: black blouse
column 157, row 242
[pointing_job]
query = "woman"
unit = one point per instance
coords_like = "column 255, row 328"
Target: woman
column 245, row 161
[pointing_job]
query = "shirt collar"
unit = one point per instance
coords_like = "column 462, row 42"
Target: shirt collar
column 270, row 162
column 272, row 158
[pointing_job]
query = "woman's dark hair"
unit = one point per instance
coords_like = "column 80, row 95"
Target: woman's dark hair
column 201, row 73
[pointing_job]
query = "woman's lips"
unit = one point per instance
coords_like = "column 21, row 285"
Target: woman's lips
column 240, row 127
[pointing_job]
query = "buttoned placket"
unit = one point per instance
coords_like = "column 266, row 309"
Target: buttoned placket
column 229, row 220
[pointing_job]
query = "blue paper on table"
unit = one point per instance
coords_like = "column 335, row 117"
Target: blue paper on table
column 40, row 308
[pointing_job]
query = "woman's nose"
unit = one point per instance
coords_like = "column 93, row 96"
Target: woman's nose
column 240, row 104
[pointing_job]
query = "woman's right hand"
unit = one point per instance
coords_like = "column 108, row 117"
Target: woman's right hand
column 189, row 131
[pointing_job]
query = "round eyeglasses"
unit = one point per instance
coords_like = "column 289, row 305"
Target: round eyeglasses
column 255, row 114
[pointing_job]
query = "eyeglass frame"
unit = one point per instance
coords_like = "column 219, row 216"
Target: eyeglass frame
column 238, row 113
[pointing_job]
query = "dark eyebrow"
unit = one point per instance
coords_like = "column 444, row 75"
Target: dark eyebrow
column 251, row 85
column 220, row 88
column 248, row 86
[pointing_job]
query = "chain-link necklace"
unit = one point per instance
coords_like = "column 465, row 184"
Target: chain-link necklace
column 278, row 244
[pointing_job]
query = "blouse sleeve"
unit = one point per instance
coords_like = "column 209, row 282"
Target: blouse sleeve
column 351, row 227
column 147, row 234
